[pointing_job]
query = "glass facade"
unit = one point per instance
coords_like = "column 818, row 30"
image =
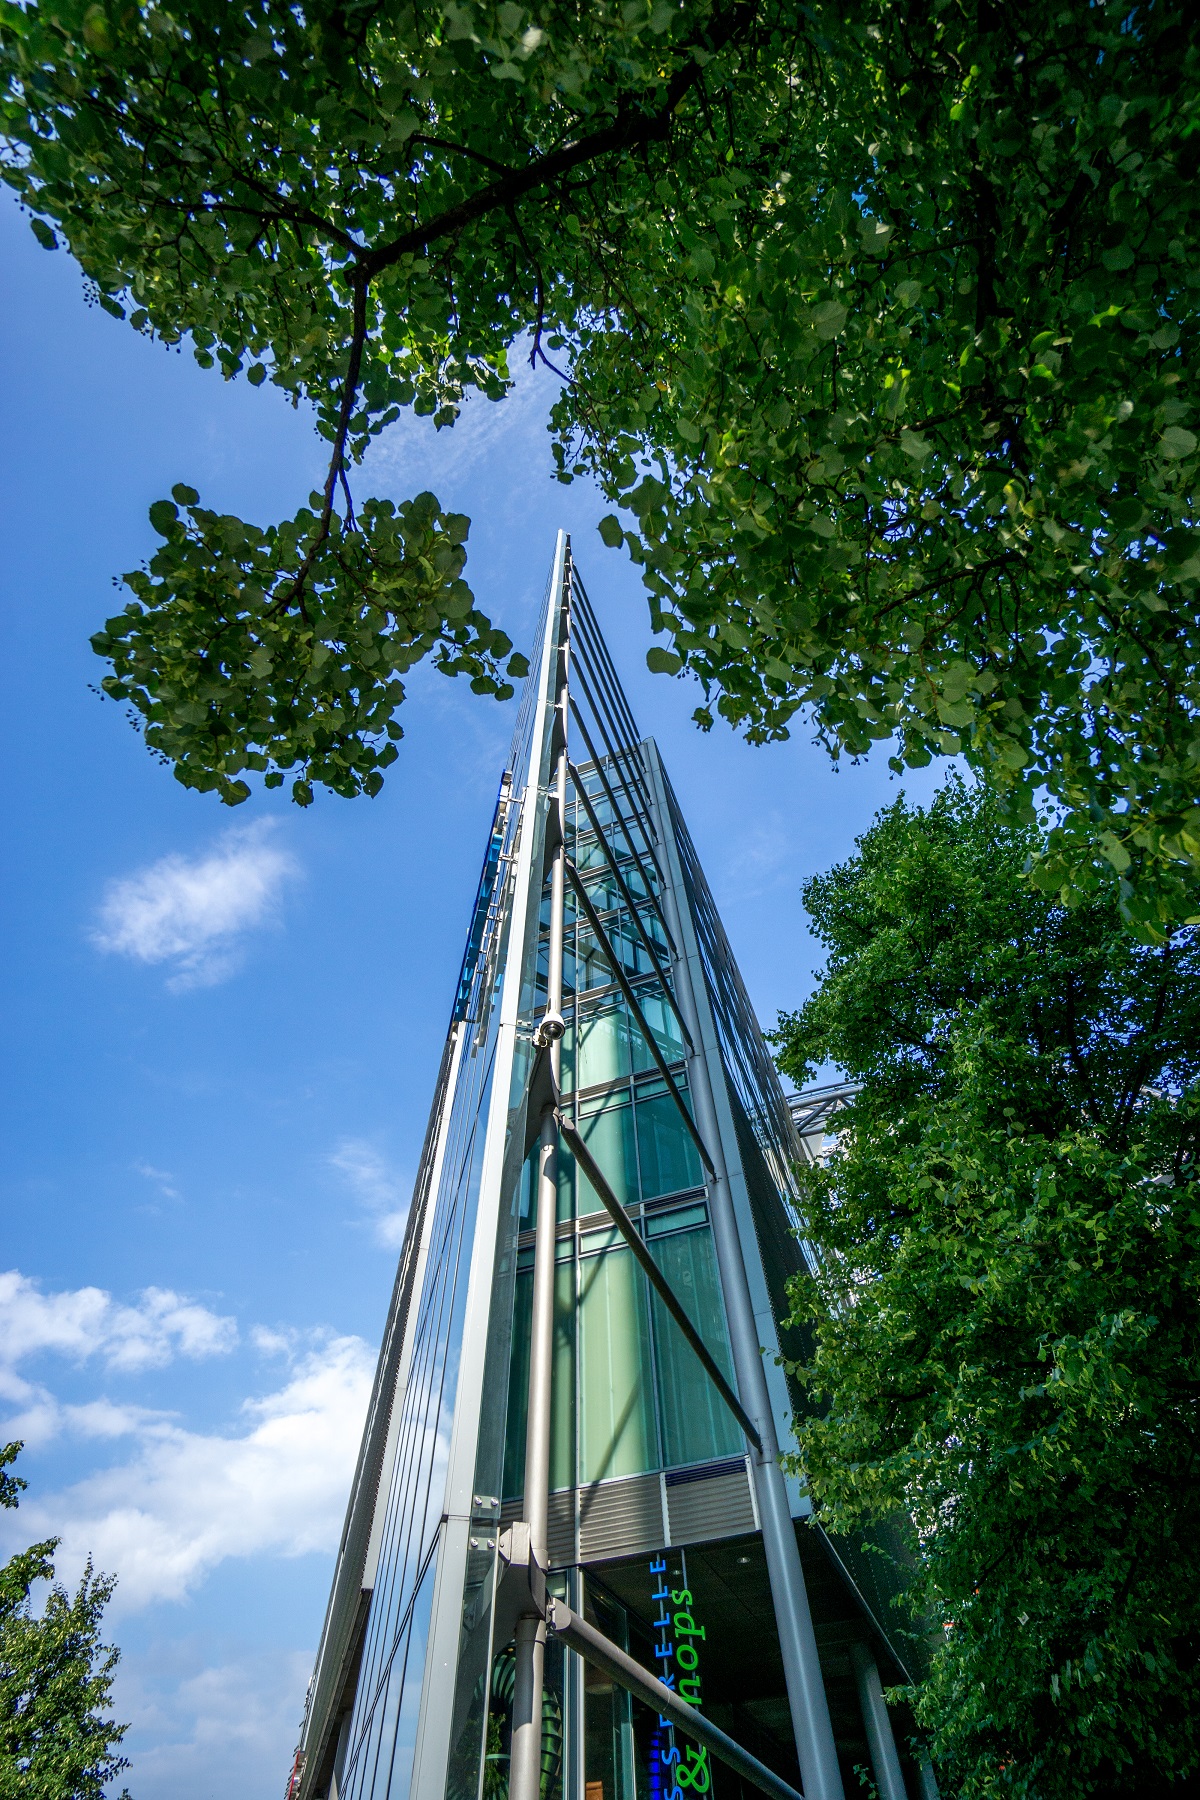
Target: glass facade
column 655, row 1532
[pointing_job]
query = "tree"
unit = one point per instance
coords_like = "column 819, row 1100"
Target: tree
column 56, row 1740
column 879, row 321
column 1007, row 1342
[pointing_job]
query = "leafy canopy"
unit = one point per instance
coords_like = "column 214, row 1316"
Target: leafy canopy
column 1007, row 1339
column 878, row 321
column 56, row 1742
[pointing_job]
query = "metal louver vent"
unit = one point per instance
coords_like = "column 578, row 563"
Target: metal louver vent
column 560, row 1526
column 617, row 1518
column 710, row 1506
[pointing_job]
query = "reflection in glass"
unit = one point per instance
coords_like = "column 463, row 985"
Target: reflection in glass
column 667, row 1155
column 697, row 1426
column 616, row 1418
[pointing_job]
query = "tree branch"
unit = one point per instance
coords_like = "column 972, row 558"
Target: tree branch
column 629, row 129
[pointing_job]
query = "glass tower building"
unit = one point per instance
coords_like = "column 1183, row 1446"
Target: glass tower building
column 572, row 1567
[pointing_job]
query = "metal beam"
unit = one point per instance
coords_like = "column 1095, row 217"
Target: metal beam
column 885, row 1761
column 629, row 1231
column 603, row 1654
column 815, row 1746
column 619, row 816
column 593, row 919
column 652, row 949
column 525, row 1764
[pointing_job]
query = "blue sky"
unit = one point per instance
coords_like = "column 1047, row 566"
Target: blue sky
column 223, row 1027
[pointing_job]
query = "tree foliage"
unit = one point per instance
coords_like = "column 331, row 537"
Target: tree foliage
column 57, row 1741
column 1007, row 1341
column 878, row 321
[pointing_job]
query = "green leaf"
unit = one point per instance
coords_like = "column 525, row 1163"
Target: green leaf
column 914, row 445
column 611, row 531
column 164, row 517
column 663, row 662
column 829, row 318
column 186, row 496
column 42, row 232
column 1176, row 442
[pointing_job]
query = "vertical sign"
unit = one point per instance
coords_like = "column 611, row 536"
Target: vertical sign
column 676, row 1773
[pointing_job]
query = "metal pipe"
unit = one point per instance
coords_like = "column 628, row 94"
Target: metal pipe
column 603, row 1654
column 526, row 1745
column 811, row 1723
column 885, row 1761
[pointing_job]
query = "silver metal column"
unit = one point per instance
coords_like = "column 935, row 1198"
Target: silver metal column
column 929, row 1786
column 525, row 1766
column 885, row 1761
column 811, row 1723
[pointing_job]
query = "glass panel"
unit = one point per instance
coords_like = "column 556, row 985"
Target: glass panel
column 592, row 967
column 562, row 1390
column 665, row 1150
column 610, row 1755
column 665, row 1026
column 616, row 1419
column 609, row 1137
column 680, row 1218
column 603, row 1055
column 562, row 1400
column 591, row 1241
column 518, row 1388
column 696, row 1423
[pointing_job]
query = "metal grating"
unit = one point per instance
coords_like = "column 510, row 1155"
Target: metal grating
column 617, row 1518
column 710, row 1506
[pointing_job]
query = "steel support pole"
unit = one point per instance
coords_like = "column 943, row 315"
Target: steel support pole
column 525, row 1765
column 811, row 1724
column 885, row 1760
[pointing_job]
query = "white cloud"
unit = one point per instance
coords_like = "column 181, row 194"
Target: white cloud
column 187, row 1500
column 381, row 1191
column 163, row 1179
column 84, row 1322
column 414, row 453
column 223, row 1729
column 190, row 912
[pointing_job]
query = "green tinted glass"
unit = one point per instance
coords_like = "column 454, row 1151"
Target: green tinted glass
column 697, row 1426
column 616, row 1416
column 666, row 1152
column 609, row 1136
